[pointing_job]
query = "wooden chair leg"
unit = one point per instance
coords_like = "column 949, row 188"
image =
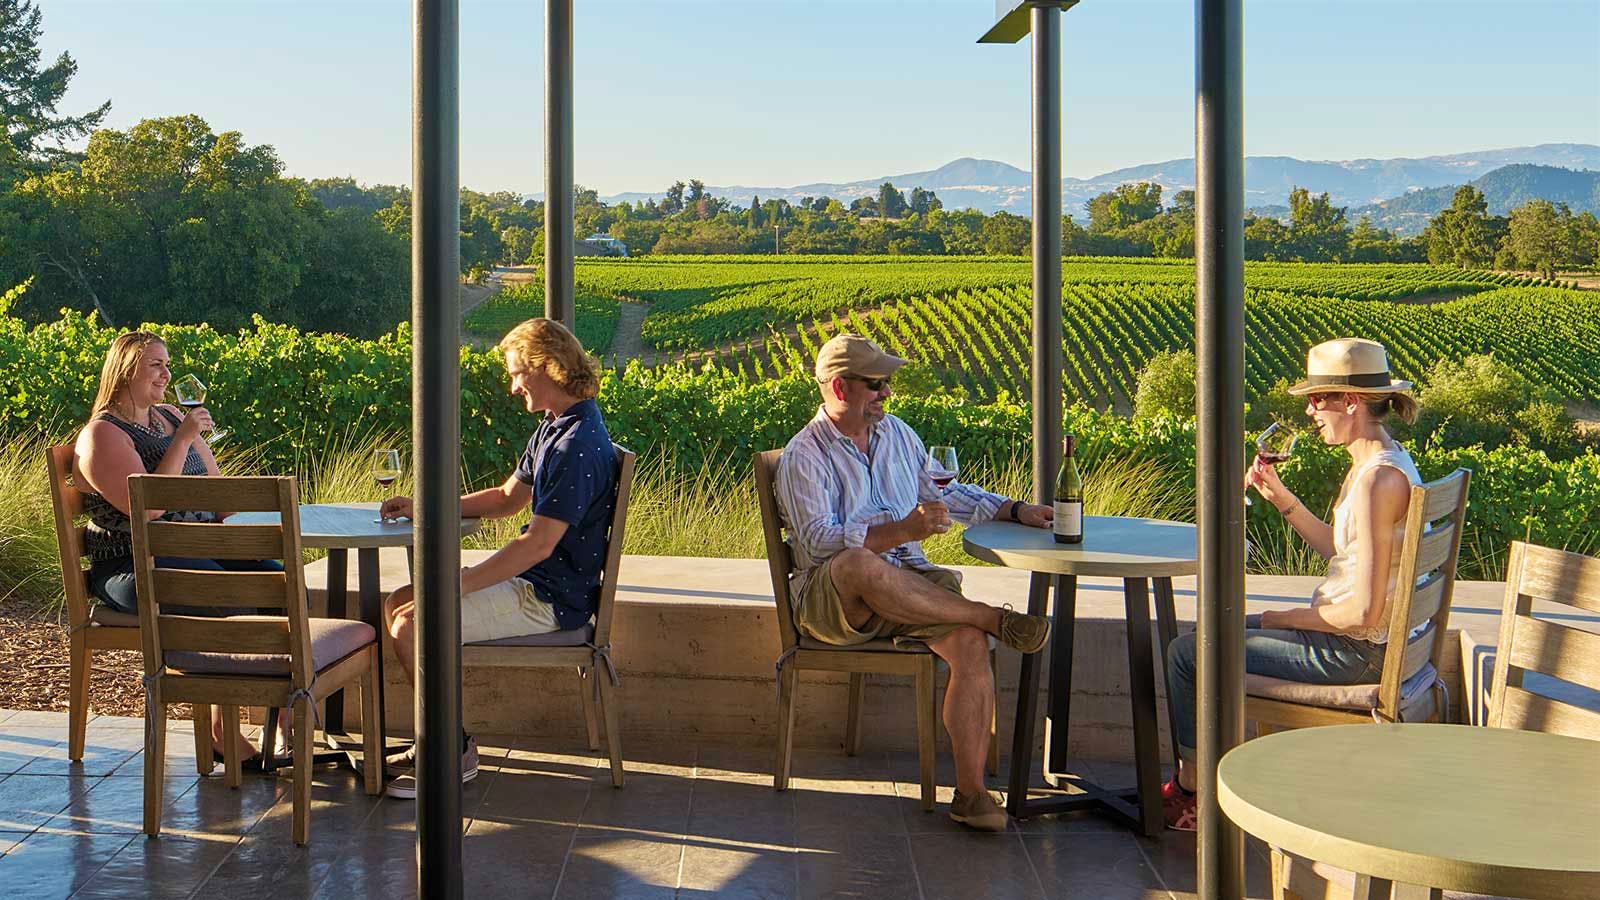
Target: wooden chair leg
column 788, row 683
column 1277, row 874
column 994, row 717
column 927, row 737
column 230, row 745
column 372, row 743
column 155, row 758
column 587, row 686
column 204, row 759
column 1370, row 888
column 609, row 711
column 301, row 831
column 78, row 698
column 852, row 730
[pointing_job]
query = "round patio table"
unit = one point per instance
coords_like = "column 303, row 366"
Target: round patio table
column 340, row 528
column 1139, row 551
column 1485, row 810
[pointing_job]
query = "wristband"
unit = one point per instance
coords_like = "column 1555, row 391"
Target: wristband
column 1016, row 511
column 1286, row 513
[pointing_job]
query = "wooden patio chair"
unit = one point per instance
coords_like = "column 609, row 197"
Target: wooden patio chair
column 290, row 661
column 1546, row 648
column 588, row 648
column 1410, row 689
column 88, row 628
column 880, row 656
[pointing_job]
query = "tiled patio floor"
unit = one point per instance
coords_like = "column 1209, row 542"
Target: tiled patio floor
column 545, row 822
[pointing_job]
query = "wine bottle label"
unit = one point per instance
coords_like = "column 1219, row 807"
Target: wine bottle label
column 1069, row 518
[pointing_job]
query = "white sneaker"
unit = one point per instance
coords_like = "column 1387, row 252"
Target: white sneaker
column 404, row 786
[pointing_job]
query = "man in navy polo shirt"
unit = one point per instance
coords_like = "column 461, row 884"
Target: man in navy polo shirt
column 548, row 578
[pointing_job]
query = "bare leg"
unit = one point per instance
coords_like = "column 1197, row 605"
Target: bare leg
column 399, row 619
column 968, row 703
column 246, row 749
column 869, row 585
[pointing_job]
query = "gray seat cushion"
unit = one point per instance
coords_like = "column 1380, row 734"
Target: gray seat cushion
column 331, row 641
column 572, row 637
column 1336, row 696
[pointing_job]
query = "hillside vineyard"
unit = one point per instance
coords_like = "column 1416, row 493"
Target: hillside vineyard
column 968, row 320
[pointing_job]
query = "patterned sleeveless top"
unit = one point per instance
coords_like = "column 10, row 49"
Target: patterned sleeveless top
column 108, row 536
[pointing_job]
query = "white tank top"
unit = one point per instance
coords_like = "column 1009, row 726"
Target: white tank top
column 1341, row 581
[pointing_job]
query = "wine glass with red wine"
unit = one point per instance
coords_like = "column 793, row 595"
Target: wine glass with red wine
column 191, row 394
column 942, row 465
column 1273, row 446
column 385, row 469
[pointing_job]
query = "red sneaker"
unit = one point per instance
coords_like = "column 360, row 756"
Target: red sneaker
column 1179, row 807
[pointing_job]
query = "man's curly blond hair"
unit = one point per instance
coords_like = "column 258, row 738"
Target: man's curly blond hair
column 547, row 345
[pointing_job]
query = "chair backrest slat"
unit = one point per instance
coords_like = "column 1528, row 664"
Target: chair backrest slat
column 780, row 562
column 1540, row 646
column 1548, row 648
column 252, row 634
column 1435, row 517
column 165, row 627
column 1528, row 711
column 219, row 493
column 197, row 540
column 626, row 463
column 196, row 587
column 67, row 503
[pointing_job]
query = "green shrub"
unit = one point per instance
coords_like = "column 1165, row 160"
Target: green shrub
column 1166, row 386
column 1483, row 401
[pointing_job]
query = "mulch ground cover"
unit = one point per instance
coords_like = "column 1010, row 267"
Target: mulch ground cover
column 34, row 658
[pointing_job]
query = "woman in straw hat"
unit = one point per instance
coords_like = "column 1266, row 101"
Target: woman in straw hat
column 1340, row 637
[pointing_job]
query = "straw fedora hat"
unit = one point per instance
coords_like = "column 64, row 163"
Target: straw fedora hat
column 1348, row 365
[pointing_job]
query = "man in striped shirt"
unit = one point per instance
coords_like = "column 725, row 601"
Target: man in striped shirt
column 857, row 500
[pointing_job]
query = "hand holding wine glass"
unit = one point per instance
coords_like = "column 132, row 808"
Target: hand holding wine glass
column 191, row 394
column 385, row 469
column 942, row 465
column 1273, row 446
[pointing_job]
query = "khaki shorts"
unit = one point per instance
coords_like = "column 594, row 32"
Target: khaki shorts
column 819, row 613
column 508, row 609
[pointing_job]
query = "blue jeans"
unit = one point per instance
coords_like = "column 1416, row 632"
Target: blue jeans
column 113, row 582
column 1312, row 657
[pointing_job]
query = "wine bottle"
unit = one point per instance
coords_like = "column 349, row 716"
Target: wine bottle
column 1069, row 498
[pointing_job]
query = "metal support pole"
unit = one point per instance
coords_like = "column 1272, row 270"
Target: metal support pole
column 435, row 436
column 1047, row 361
column 558, row 201
column 1219, row 402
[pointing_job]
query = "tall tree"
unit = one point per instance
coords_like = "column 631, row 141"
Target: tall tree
column 1537, row 237
column 755, row 213
column 35, row 135
column 891, row 203
column 1317, row 227
column 1128, row 205
column 1462, row 235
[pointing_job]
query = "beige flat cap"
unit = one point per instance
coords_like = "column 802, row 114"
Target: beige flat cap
column 852, row 354
column 1348, row 365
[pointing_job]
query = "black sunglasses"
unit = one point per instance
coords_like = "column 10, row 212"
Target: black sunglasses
column 873, row 384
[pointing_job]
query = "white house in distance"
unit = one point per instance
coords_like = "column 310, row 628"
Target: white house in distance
column 601, row 244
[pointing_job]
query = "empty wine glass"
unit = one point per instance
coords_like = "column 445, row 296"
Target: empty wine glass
column 942, row 465
column 191, row 394
column 1273, row 446
column 385, row 469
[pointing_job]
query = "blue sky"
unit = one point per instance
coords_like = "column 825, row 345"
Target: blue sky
column 783, row 92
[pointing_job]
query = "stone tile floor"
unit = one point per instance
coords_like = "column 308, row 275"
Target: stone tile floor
column 545, row 822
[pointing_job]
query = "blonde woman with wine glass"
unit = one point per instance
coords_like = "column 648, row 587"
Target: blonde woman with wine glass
column 132, row 431
column 1340, row 637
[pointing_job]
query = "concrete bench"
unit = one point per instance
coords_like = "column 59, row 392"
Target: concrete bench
column 695, row 641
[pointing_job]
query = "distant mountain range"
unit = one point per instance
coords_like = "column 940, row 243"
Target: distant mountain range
column 990, row 186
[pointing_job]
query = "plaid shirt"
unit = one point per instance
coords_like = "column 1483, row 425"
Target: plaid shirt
column 830, row 492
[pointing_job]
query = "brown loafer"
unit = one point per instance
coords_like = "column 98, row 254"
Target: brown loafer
column 1023, row 632
column 980, row 811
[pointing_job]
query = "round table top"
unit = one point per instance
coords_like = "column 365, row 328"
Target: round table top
column 1113, row 546
column 1487, row 810
column 347, row 526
